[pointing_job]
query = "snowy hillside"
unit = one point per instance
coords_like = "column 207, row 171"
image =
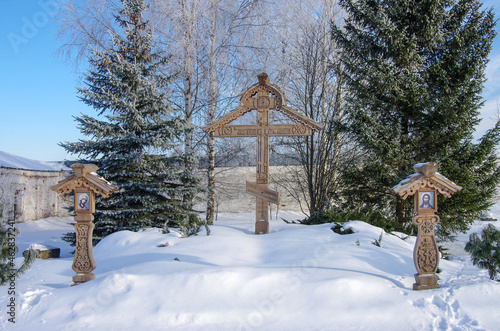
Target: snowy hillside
column 295, row 278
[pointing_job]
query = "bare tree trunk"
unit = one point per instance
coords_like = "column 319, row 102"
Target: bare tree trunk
column 338, row 116
column 189, row 49
column 212, row 105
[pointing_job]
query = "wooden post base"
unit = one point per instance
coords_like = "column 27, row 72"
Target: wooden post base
column 262, row 227
column 426, row 282
column 82, row 278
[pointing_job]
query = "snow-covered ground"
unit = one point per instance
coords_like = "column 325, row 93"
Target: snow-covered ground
column 295, row 278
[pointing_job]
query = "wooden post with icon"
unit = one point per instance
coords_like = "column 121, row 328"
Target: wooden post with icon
column 85, row 184
column 263, row 97
column 425, row 186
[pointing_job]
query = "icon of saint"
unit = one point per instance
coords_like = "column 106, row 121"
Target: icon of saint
column 83, row 203
column 426, row 202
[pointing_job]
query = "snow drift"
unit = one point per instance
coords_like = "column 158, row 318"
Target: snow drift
column 295, row 278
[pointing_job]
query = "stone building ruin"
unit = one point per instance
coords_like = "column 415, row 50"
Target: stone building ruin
column 25, row 193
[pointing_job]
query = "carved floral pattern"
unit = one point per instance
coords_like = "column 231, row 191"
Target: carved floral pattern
column 260, row 96
column 269, row 89
column 299, row 129
column 426, row 251
column 427, row 228
column 426, row 223
column 82, row 263
column 427, row 255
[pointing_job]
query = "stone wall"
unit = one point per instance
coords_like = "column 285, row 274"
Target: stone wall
column 26, row 195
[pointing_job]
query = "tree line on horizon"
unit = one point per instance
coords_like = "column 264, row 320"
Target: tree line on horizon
column 395, row 83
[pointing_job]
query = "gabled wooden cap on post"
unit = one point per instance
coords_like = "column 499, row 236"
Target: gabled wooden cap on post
column 426, row 175
column 85, row 176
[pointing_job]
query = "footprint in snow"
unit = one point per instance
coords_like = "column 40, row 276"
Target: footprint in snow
column 445, row 314
column 29, row 299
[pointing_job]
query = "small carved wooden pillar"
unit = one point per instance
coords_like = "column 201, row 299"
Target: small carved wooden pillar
column 425, row 185
column 85, row 184
column 263, row 97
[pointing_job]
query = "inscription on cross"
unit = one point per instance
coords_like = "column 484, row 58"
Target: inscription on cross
column 263, row 97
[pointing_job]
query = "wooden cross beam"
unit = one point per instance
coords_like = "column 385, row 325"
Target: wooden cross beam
column 263, row 97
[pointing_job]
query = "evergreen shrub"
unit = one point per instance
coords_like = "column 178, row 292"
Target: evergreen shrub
column 339, row 228
column 485, row 250
column 7, row 261
column 374, row 217
column 137, row 136
column 412, row 94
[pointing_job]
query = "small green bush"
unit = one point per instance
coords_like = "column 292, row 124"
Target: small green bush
column 373, row 217
column 485, row 251
column 339, row 228
column 378, row 242
column 190, row 224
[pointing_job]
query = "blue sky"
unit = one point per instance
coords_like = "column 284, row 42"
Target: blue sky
column 38, row 90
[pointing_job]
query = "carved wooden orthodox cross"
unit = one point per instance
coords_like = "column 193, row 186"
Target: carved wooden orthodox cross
column 263, row 97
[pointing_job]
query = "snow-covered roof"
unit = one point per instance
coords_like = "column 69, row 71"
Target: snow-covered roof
column 426, row 176
column 85, row 176
column 12, row 161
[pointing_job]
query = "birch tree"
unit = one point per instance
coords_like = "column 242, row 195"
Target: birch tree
column 83, row 26
column 217, row 48
column 227, row 31
column 211, row 39
column 314, row 86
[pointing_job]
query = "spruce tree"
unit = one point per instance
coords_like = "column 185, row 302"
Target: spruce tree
column 414, row 72
column 134, row 141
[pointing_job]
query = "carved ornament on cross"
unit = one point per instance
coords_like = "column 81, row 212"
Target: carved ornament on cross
column 264, row 98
